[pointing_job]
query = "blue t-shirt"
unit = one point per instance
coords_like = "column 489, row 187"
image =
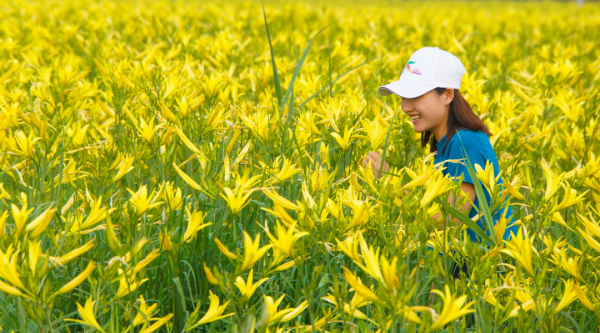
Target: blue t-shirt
column 479, row 149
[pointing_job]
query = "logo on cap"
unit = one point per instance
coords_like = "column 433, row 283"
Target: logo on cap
column 413, row 71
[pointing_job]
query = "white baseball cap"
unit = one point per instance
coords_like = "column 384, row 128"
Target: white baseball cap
column 428, row 68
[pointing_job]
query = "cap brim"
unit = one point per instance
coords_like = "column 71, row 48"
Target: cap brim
column 404, row 88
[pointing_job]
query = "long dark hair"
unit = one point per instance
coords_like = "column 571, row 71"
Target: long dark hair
column 460, row 115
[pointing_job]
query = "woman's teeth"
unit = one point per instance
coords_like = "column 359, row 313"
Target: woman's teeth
column 415, row 117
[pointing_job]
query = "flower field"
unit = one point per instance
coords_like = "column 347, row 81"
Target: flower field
column 173, row 166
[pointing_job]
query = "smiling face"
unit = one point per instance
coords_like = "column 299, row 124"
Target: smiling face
column 429, row 112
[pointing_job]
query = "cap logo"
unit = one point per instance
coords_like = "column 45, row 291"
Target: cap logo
column 413, row 71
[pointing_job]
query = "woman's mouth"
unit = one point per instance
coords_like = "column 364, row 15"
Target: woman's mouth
column 415, row 119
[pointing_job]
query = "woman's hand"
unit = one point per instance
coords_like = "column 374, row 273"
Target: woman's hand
column 376, row 162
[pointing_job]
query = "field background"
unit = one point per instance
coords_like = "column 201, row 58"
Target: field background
column 178, row 166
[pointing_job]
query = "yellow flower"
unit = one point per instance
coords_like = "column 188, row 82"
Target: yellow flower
column 376, row 132
column 359, row 287
column 236, row 201
column 147, row 131
column 252, row 252
column 568, row 297
column 87, row 315
column 437, row 185
column 9, row 270
column 20, row 217
column 77, row 280
column 73, row 254
column 141, row 202
column 287, row 170
column 285, row 238
column 172, row 196
column 283, row 202
column 40, row 223
column 210, row 276
column 284, row 315
column 127, row 285
column 124, row 167
column 157, row 324
column 246, row 288
column 552, row 180
column 487, row 176
column 213, row 314
column 570, row 198
column 224, row 249
column 96, row 215
column 453, row 308
column 344, row 141
column 195, row 224
column 521, row 252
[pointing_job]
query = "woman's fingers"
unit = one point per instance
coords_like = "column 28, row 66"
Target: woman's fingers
column 375, row 156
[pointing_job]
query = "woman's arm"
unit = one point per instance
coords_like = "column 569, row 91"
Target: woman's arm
column 469, row 190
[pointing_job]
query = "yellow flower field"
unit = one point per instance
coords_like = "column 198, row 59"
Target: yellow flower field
column 178, row 166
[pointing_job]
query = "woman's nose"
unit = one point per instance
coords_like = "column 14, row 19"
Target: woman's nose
column 406, row 105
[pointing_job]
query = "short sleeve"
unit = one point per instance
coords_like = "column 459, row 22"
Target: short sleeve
column 471, row 145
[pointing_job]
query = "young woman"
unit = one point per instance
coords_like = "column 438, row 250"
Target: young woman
column 429, row 87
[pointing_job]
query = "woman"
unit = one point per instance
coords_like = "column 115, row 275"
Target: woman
column 429, row 87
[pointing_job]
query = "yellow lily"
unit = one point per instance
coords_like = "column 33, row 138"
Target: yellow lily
column 195, row 224
column 359, row 287
column 124, row 168
column 246, row 288
column 73, row 254
column 287, row 171
column 487, row 176
column 8, row 268
column 224, row 249
column 285, row 238
column 172, row 196
column 522, row 252
column 570, row 198
column 213, row 314
column 453, row 308
column 160, row 322
column 147, row 130
column 126, row 286
column 40, row 223
column 568, row 297
column 210, row 276
column 77, row 280
column 20, row 217
column 281, row 200
column 87, row 315
column 97, row 214
column 187, row 141
column 141, row 201
column 438, row 185
column 236, row 201
column 583, row 297
column 145, row 312
column 252, row 252
column 3, row 219
column 552, row 180
column 284, row 315
column 344, row 141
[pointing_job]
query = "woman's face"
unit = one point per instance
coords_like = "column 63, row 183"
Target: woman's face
column 429, row 112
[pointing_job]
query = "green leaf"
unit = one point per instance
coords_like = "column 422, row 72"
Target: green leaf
column 481, row 196
column 275, row 75
column 469, row 223
column 290, row 88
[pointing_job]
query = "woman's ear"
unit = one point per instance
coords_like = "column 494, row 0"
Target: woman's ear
column 448, row 96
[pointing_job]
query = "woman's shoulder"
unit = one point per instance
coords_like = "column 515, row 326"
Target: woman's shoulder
column 469, row 138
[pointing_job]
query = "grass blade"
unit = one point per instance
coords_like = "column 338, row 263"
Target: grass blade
column 275, row 75
column 480, row 196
